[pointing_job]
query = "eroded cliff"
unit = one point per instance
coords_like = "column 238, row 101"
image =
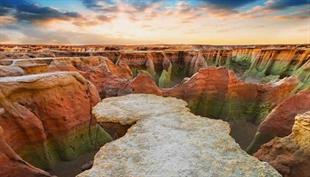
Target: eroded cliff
column 46, row 117
column 251, row 87
column 290, row 155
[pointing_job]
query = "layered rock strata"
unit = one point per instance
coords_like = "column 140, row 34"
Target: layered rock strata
column 218, row 93
column 46, row 117
column 290, row 155
column 102, row 72
column 165, row 139
column 253, row 63
column 184, row 71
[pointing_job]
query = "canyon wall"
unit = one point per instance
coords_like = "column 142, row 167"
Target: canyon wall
column 279, row 122
column 218, row 93
column 46, row 92
column 46, row 117
column 290, row 155
column 14, row 165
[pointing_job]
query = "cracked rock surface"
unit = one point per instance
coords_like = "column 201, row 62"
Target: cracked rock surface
column 165, row 139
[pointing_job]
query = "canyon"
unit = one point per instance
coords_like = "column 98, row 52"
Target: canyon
column 163, row 109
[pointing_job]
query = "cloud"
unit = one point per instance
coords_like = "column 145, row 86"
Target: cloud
column 276, row 9
column 23, row 11
column 4, row 10
column 93, row 21
column 35, row 35
column 107, row 5
column 105, row 18
column 3, row 38
column 100, row 5
column 283, row 4
column 302, row 14
column 142, row 5
column 4, row 20
column 228, row 3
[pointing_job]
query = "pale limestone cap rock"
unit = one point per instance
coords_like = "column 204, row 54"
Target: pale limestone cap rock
column 166, row 140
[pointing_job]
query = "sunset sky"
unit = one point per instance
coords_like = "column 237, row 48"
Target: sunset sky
column 155, row 21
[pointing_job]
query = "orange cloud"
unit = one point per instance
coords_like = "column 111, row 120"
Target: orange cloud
column 7, row 20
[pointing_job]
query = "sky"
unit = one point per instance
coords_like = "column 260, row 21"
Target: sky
column 222, row 22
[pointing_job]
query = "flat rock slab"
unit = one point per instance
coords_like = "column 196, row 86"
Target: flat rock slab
column 165, row 139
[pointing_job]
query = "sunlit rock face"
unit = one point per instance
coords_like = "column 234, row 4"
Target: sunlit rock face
column 218, row 93
column 165, row 139
column 102, row 72
column 290, row 155
column 46, row 117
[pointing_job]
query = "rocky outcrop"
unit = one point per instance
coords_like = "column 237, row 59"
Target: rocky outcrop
column 102, row 72
column 46, row 117
column 290, row 155
column 13, row 165
column 34, row 68
column 197, row 62
column 135, row 86
column 11, row 71
column 218, row 93
column 280, row 121
column 252, row 63
column 165, row 139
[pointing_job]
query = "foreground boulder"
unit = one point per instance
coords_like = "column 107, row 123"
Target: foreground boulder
column 165, row 139
column 290, row 155
column 47, row 117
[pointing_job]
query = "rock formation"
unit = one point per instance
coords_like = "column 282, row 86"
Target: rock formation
column 290, row 155
column 13, row 165
column 43, row 115
column 165, row 139
column 11, row 71
column 102, row 72
column 218, row 93
column 280, row 121
column 46, row 117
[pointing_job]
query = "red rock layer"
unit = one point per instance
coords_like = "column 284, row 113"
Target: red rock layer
column 47, row 117
column 44, row 97
column 104, row 74
column 143, row 83
column 220, row 92
column 280, row 121
column 290, row 155
column 12, row 165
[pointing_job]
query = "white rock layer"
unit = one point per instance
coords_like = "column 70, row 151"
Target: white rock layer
column 166, row 140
